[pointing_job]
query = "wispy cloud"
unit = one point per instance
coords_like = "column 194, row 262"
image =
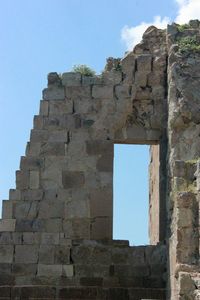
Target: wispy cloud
column 187, row 10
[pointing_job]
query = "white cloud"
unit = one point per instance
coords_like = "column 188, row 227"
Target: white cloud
column 133, row 35
column 187, row 10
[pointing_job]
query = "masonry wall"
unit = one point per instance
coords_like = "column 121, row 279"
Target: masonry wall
column 56, row 230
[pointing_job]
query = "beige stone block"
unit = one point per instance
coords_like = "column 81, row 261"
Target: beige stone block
column 77, row 228
column 30, row 238
column 25, row 209
column 102, row 91
column 33, row 149
column 50, row 209
column 34, row 179
column 68, row 270
column 112, row 77
column 72, row 179
column 62, row 254
column 50, row 149
column 58, row 136
column 31, row 163
column 26, row 254
column 22, row 179
column 140, row 79
column 39, row 136
column 6, row 253
column 32, row 195
column 44, row 108
column 50, row 238
column 53, row 225
column 50, row 270
column 101, row 203
column 101, row 228
column 7, row 209
column 46, row 254
column 38, row 122
column 14, row 194
column 122, row 91
column 61, row 107
column 77, row 208
column 54, row 93
column 71, row 79
column 128, row 67
column 7, row 225
column 78, row 92
column 144, row 63
column 99, row 147
column 105, row 163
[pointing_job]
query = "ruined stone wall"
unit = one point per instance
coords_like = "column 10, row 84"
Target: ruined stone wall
column 56, row 230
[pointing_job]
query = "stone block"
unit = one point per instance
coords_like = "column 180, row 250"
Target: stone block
column 39, row 136
column 30, row 238
column 68, row 270
column 44, row 108
column 105, row 163
column 21, row 269
column 25, row 209
column 37, row 225
column 7, row 225
column 144, row 63
column 72, row 179
column 141, row 79
column 31, row 163
column 49, row 270
column 22, row 180
column 10, row 238
column 50, row 209
column 54, row 79
column 6, row 253
column 7, row 209
column 78, row 92
column 71, row 79
column 91, row 281
column 101, row 202
column 62, row 254
column 50, row 238
column 112, row 77
column 53, row 225
column 76, row 208
column 55, row 148
column 26, row 254
column 101, row 228
column 128, row 67
column 102, row 91
column 37, row 292
column 60, row 107
column 46, row 254
column 99, row 147
column 34, row 179
column 33, row 149
column 32, row 195
column 53, row 93
column 122, row 91
column 14, row 194
column 38, row 122
column 77, row 229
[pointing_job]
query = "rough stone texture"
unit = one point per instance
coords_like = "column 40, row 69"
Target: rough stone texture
column 56, row 231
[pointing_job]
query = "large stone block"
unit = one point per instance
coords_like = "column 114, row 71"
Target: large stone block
column 50, row 270
column 31, row 163
column 99, row 147
column 102, row 91
column 46, row 254
column 54, row 93
column 7, row 225
column 50, row 238
column 144, row 63
column 34, row 179
column 7, row 209
column 22, row 179
column 68, row 270
column 73, row 179
column 71, row 79
column 101, row 228
column 101, row 203
column 62, row 254
column 77, row 228
column 6, row 253
column 50, row 209
column 60, row 107
column 25, row 209
column 44, row 108
column 26, row 254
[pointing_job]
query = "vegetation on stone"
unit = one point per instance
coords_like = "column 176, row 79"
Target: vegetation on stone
column 183, row 27
column 189, row 44
column 84, row 70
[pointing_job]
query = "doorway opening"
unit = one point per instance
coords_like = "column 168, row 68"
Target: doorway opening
column 136, row 193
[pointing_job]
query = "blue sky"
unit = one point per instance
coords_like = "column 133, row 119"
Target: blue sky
column 38, row 37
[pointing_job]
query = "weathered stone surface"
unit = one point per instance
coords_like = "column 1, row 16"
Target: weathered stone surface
column 26, row 254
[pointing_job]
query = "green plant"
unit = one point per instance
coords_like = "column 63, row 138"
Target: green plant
column 183, row 27
column 189, row 44
column 84, row 70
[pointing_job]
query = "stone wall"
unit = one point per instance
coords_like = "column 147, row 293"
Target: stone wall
column 56, row 231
